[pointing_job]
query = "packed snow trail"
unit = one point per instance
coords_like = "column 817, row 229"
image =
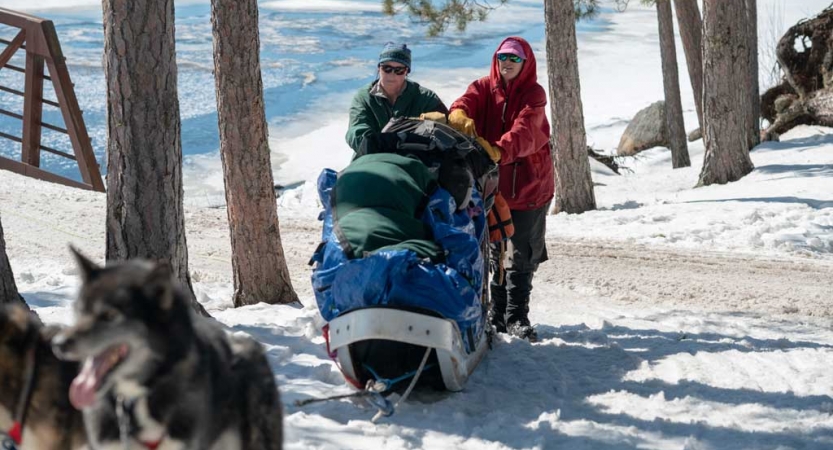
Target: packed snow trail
column 646, row 347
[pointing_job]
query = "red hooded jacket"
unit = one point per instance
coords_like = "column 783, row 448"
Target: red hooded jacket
column 514, row 118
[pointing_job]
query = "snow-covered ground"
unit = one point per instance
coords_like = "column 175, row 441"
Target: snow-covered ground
column 670, row 318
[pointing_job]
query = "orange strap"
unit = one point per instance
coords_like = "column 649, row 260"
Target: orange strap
column 501, row 227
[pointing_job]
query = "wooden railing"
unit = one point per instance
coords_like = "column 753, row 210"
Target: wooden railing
column 38, row 39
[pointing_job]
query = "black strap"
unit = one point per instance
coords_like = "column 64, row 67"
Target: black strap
column 30, row 377
column 502, row 226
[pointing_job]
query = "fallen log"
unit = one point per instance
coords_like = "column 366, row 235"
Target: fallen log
column 815, row 109
column 805, row 95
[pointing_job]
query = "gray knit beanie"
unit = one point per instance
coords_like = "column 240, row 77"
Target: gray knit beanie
column 397, row 53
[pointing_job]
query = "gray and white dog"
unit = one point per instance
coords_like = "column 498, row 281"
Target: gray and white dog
column 154, row 375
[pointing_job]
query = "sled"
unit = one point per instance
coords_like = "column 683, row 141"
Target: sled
column 401, row 274
column 443, row 336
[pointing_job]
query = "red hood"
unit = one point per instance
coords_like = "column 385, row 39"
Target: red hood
column 529, row 72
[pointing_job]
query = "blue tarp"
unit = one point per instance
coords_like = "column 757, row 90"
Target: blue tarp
column 452, row 289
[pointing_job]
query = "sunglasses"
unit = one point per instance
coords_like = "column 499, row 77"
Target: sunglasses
column 510, row 57
column 397, row 70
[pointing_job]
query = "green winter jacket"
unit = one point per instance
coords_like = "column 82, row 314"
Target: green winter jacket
column 370, row 113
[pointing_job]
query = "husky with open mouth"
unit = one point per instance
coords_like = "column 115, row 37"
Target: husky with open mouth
column 154, row 375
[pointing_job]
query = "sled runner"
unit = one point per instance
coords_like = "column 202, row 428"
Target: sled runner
column 401, row 272
column 351, row 333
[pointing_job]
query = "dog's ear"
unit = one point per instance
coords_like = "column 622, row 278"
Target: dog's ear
column 159, row 285
column 48, row 332
column 18, row 316
column 89, row 270
column 14, row 324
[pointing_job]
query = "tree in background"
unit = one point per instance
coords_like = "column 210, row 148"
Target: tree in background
column 257, row 258
column 573, row 183
column 727, row 96
column 754, row 113
column 144, row 153
column 462, row 12
column 8, row 288
column 691, row 34
column 671, row 84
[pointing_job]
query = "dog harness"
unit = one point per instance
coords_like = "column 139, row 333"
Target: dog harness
column 30, row 374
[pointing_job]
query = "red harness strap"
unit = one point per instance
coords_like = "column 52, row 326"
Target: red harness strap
column 30, row 377
column 16, row 433
column 152, row 445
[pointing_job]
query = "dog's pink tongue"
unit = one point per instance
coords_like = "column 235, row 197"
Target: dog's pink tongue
column 83, row 387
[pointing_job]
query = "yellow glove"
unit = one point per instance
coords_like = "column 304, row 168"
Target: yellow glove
column 462, row 123
column 435, row 116
column 492, row 150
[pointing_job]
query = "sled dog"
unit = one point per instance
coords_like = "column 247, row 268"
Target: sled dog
column 35, row 413
column 154, row 375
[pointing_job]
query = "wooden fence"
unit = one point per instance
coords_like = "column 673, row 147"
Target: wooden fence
column 38, row 39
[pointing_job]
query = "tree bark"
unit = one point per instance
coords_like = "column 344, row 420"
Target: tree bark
column 8, row 288
column 257, row 259
column 573, row 183
column 691, row 33
column 726, row 95
column 671, row 84
column 144, row 154
column 754, row 118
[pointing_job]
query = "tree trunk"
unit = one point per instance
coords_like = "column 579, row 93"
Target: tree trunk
column 8, row 288
column 691, row 33
column 726, row 95
column 144, row 153
column 671, row 83
column 257, row 259
column 573, row 183
column 754, row 127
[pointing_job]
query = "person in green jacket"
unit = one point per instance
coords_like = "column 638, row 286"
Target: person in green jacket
column 391, row 95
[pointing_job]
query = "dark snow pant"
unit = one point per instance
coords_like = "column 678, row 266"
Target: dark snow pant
column 510, row 290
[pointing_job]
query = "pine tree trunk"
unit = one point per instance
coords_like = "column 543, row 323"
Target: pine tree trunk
column 727, row 100
column 8, row 288
column 691, row 33
column 144, row 153
column 573, row 183
column 671, row 84
column 258, row 263
column 754, row 86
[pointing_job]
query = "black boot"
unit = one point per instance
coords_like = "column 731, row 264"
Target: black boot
column 523, row 330
column 518, row 289
column 497, row 312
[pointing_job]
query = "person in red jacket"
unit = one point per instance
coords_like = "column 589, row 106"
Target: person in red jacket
column 507, row 111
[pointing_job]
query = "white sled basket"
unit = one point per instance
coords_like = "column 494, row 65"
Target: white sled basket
column 408, row 327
